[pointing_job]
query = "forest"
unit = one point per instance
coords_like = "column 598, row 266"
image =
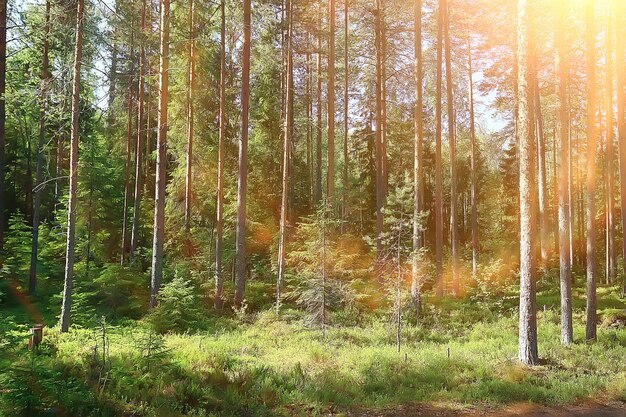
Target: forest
column 313, row 208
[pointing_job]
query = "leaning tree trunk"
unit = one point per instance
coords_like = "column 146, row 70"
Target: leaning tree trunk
column 528, row 353
column 438, row 167
column 219, row 210
column 454, row 228
column 242, row 186
column 45, row 80
column 565, row 258
column 71, row 209
column 161, row 162
column 418, row 167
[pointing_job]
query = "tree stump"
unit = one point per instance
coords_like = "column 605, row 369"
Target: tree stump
column 36, row 336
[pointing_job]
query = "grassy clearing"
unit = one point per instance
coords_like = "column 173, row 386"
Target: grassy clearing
column 266, row 366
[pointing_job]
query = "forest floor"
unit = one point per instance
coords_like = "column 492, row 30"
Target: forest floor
column 587, row 409
column 459, row 362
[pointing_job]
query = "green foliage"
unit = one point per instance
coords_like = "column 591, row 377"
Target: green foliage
column 178, row 308
column 17, row 247
column 120, row 292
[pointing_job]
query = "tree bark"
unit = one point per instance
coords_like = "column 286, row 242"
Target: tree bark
column 380, row 192
column 287, row 132
column 242, row 186
column 620, row 26
column 418, row 168
column 591, row 171
column 610, row 151
column 454, row 231
column 45, row 80
column 330, row 173
column 565, row 266
column 161, row 162
column 219, row 283
column 189, row 156
column 528, row 353
column 473, row 164
column 438, row 167
column 142, row 135
column 346, row 180
column 318, row 141
column 127, row 162
column 544, row 233
column 3, row 71
column 74, row 138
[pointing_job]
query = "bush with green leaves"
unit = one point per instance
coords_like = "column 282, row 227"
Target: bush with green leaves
column 179, row 307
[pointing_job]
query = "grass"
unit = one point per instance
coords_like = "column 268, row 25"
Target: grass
column 266, row 366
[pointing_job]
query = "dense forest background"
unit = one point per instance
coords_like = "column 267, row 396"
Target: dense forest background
column 428, row 165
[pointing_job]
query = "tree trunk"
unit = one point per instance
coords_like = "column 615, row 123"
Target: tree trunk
column 544, row 234
column 346, row 180
column 242, row 186
column 71, row 212
column 438, row 167
column 3, row 71
column 473, row 165
column 142, row 135
column 189, row 156
column 287, row 133
column 127, row 162
column 620, row 26
column 318, row 141
column 161, row 162
column 591, row 172
column 380, row 196
column 330, row 173
column 454, row 231
column 528, row 353
column 565, row 266
column 219, row 283
column 418, row 168
column 610, row 151
column 45, row 80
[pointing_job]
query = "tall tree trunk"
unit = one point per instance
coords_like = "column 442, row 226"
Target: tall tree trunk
column 438, row 167
column 3, row 71
column 592, row 131
column 473, row 164
column 189, row 156
column 330, row 173
column 380, row 193
column 318, row 109
column 242, row 186
column 418, row 167
column 45, row 80
column 544, row 233
column 620, row 26
column 565, row 266
column 71, row 209
column 454, row 230
column 287, row 133
column 383, row 97
column 309, row 122
column 113, row 74
column 142, row 135
column 127, row 162
column 610, row 151
column 528, row 353
column 161, row 162
column 346, row 72
column 219, row 210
